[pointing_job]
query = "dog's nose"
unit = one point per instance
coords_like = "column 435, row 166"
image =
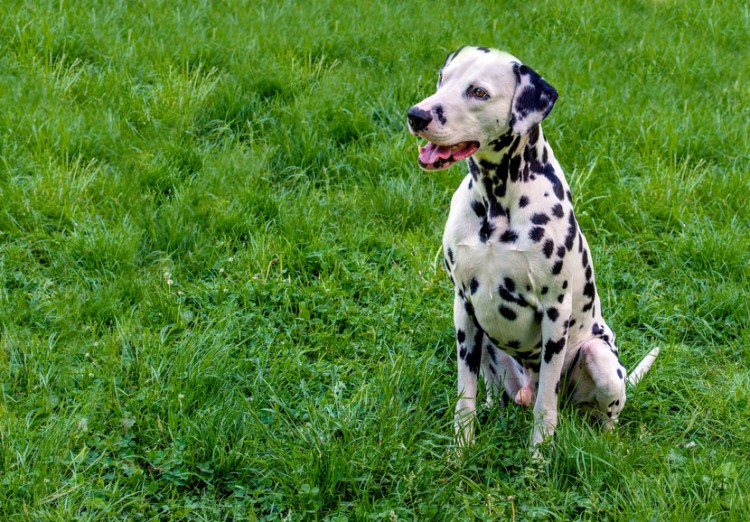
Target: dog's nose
column 418, row 119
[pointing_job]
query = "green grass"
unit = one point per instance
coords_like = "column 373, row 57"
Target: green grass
column 219, row 293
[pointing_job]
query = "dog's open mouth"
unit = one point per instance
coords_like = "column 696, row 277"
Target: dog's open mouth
column 436, row 157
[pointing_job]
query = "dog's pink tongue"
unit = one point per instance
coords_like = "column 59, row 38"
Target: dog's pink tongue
column 430, row 153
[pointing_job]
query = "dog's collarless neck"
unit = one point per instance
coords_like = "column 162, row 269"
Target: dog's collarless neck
column 503, row 162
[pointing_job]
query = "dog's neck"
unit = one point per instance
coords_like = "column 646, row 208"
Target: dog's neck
column 500, row 166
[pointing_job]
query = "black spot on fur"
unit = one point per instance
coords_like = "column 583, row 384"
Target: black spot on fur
column 510, row 284
column 474, row 170
column 553, row 314
column 478, row 208
column 620, row 374
column 474, row 357
column 533, row 137
column 552, row 348
column 496, row 209
column 508, row 313
column 505, row 295
column 503, row 142
column 536, row 233
column 473, row 285
column 509, row 236
column 557, row 210
column 460, row 336
column 572, row 227
column 549, row 247
column 514, row 168
column 557, row 267
column 557, row 188
column 485, row 232
column 544, row 290
column 491, row 351
column 540, row 219
column 450, row 256
column 589, row 290
column 439, row 114
column 523, row 201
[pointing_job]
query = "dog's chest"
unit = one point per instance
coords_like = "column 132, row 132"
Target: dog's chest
column 497, row 281
column 496, row 269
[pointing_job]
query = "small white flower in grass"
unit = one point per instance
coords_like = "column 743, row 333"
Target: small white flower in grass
column 167, row 276
column 230, row 259
column 226, row 290
column 91, row 375
column 83, row 424
column 170, row 282
column 221, row 270
column 181, row 396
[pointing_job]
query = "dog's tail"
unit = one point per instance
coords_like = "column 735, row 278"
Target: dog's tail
column 645, row 365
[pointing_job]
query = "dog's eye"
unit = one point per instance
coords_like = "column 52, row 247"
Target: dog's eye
column 479, row 93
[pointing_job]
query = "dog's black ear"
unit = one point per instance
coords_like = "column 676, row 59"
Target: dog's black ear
column 532, row 101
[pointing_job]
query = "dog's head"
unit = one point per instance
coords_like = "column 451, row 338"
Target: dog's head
column 482, row 94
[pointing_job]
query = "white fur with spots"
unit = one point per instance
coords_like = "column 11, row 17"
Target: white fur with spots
column 526, row 310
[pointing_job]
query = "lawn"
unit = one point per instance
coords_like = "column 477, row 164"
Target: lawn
column 221, row 292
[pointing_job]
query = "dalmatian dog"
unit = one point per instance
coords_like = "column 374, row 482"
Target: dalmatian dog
column 526, row 310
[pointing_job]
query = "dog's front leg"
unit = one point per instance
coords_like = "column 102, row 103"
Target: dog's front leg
column 469, row 338
column 554, row 343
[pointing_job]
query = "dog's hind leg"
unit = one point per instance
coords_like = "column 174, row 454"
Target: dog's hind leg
column 597, row 381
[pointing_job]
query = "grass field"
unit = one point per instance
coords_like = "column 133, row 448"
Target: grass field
column 221, row 296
